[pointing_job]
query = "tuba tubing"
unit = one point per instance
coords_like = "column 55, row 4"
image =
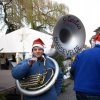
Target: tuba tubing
column 44, row 89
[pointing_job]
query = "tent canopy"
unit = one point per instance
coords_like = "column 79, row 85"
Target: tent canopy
column 21, row 41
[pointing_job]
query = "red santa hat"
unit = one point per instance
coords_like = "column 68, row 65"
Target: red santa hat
column 97, row 39
column 38, row 42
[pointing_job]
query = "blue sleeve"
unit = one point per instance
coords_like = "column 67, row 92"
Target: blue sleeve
column 59, row 82
column 21, row 69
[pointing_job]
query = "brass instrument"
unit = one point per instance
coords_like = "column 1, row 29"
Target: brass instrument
column 69, row 36
column 69, row 39
column 36, row 84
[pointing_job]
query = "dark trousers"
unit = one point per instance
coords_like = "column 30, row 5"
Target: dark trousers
column 4, row 67
column 83, row 96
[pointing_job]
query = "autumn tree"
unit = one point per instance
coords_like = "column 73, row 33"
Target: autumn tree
column 8, row 15
column 39, row 14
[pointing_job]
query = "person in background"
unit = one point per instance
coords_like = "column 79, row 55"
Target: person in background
column 85, row 70
column 35, row 65
column 92, row 42
column 6, row 63
column 19, row 57
column 2, row 61
column 13, row 58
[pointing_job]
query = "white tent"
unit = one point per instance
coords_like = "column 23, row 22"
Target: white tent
column 21, row 40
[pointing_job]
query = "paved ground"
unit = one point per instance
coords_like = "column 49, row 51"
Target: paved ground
column 6, row 80
column 69, row 93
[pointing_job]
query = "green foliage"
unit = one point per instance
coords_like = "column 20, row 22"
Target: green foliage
column 63, row 87
column 59, row 60
column 3, row 96
column 39, row 14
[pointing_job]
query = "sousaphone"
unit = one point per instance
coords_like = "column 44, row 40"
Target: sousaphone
column 69, row 35
column 35, row 85
column 69, row 39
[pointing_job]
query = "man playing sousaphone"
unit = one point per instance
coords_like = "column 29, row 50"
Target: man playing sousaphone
column 40, row 69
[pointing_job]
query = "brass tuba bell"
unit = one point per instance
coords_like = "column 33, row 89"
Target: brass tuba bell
column 69, row 35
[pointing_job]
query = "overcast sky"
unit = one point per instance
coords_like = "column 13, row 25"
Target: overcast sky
column 88, row 11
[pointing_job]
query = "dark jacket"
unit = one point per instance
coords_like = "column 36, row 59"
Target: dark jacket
column 86, row 71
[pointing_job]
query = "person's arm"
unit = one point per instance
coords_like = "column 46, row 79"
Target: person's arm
column 21, row 69
column 59, row 83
